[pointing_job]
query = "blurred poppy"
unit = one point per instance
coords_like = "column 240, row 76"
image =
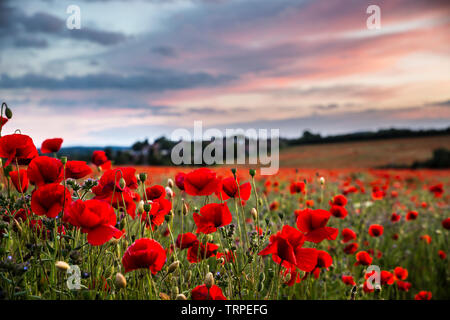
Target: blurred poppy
column 179, row 180
column 363, row 258
column 51, row 145
column 347, row 235
column 375, row 230
column 77, row 169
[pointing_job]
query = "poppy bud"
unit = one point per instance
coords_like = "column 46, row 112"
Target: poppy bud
column 322, row 180
column 174, row 266
column 8, row 112
column 260, row 201
column 142, row 177
column 209, row 280
column 62, row 266
column 167, row 217
column 176, row 291
column 140, row 208
column 254, row 213
column 170, row 183
column 181, row 297
column 281, row 215
column 121, row 282
column 169, row 192
column 1, row 162
column 185, row 208
column 233, row 171
column 188, row 276
column 64, row 160
column 252, row 172
column 122, row 183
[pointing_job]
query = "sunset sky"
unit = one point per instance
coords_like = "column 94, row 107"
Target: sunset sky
column 140, row 69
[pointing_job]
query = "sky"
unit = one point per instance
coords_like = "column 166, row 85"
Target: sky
column 141, row 69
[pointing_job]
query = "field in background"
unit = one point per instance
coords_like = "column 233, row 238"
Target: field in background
column 367, row 154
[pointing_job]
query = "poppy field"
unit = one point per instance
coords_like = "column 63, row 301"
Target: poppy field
column 76, row 230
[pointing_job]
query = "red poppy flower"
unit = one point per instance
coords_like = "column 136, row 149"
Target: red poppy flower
column 155, row 192
column 179, row 180
column 338, row 212
column 94, row 217
column 100, row 159
column 3, row 121
column 51, row 145
column 44, row 170
column 159, row 209
column 228, row 189
column 203, row 293
column 386, row 277
column 297, row 187
column 401, row 273
column 442, row 255
column 351, row 248
column 395, row 217
column 201, row 182
column 403, row 285
column 377, row 193
column 313, row 224
column 274, row 205
column 324, row 261
column 339, row 200
column 186, row 240
column 144, row 254
column 426, row 238
column 375, row 230
column 198, row 251
column 446, row 223
column 18, row 147
column 348, row 280
column 211, row 217
column 437, row 190
column 363, row 258
column 286, row 248
column 77, row 169
column 423, row 295
column 22, row 184
column 412, row 215
column 49, row 200
column 348, row 234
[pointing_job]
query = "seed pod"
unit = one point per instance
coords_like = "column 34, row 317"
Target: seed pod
column 62, row 266
column 121, row 282
column 252, row 172
column 209, row 280
column 181, row 297
column 169, row 192
column 64, row 160
column 174, row 266
column 142, row 177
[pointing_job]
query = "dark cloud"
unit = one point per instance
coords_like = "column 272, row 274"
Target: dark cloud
column 15, row 23
column 157, row 80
